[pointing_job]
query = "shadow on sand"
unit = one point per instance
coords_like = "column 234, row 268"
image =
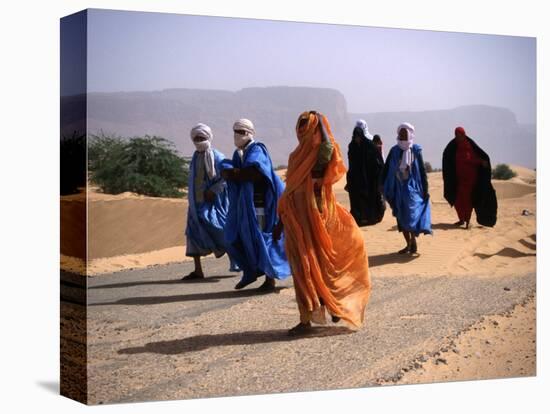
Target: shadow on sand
column 207, row 279
column 201, row 342
column 438, row 226
column 388, row 258
column 506, row 252
column 158, row 300
column 527, row 244
column 447, row 226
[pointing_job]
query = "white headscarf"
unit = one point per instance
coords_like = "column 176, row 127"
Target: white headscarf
column 240, row 139
column 203, row 130
column 361, row 123
column 406, row 146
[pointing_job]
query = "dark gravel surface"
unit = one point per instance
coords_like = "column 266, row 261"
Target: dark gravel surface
column 152, row 337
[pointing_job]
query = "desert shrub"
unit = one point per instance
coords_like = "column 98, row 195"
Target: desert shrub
column 144, row 165
column 428, row 167
column 102, row 148
column 503, row 172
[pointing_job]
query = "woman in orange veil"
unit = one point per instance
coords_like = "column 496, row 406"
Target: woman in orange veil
column 324, row 245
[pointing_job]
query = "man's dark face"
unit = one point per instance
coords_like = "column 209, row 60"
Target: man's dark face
column 200, row 138
column 403, row 134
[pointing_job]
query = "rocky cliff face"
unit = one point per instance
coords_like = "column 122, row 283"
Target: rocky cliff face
column 172, row 113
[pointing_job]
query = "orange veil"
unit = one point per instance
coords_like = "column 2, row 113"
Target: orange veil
column 324, row 245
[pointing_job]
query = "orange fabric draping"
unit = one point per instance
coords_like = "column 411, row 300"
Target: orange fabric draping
column 324, row 245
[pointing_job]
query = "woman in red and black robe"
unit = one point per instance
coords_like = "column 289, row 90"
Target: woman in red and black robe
column 467, row 181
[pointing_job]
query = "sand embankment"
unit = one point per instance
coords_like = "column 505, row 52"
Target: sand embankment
column 131, row 231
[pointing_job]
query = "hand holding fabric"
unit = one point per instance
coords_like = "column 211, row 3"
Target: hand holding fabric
column 209, row 196
column 229, row 174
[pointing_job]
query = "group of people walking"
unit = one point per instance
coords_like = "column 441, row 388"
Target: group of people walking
column 271, row 229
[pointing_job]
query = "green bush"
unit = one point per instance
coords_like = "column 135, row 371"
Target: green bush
column 428, row 167
column 503, row 172
column 144, row 165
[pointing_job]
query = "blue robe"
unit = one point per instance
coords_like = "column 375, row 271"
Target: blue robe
column 254, row 250
column 206, row 221
column 406, row 197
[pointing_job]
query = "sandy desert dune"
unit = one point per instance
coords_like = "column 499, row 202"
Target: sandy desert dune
column 131, row 231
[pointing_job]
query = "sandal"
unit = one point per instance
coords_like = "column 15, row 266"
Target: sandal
column 300, row 329
column 268, row 286
column 403, row 251
column 192, row 276
column 243, row 284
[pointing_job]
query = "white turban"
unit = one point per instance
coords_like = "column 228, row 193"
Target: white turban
column 361, row 123
column 243, row 125
column 406, row 146
column 203, row 130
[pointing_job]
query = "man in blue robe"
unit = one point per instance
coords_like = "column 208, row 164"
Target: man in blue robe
column 254, row 190
column 208, row 202
column 406, row 188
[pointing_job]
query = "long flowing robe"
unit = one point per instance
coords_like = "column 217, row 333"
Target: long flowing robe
column 458, row 187
column 252, row 248
column 467, row 164
column 324, row 245
column 206, row 220
column 406, row 194
column 362, row 181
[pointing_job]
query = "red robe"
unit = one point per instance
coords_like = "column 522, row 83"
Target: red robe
column 467, row 164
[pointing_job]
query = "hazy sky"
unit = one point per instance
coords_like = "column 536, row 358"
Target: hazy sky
column 377, row 69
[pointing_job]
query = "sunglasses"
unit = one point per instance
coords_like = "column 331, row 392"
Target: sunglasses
column 240, row 131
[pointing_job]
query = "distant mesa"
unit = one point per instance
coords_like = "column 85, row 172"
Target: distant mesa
column 171, row 113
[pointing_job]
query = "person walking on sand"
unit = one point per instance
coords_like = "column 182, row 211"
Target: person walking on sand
column 406, row 188
column 467, row 181
column 324, row 245
column 362, row 179
column 254, row 190
column 208, row 202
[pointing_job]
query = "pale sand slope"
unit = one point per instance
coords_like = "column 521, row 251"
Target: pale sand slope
column 499, row 346
column 507, row 248
column 129, row 231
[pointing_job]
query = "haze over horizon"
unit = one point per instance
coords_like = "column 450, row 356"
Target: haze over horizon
column 376, row 69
